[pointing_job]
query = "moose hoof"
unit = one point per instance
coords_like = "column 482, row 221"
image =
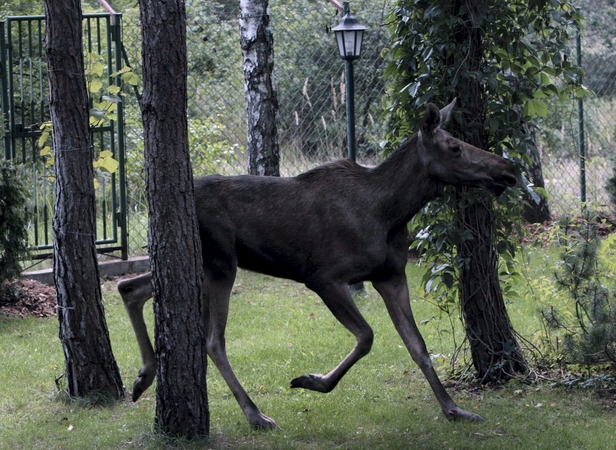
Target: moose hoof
column 313, row 382
column 461, row 414
column 261, row 422
column 143, row 382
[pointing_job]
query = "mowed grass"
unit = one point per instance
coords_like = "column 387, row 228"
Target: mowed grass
column 279, row 330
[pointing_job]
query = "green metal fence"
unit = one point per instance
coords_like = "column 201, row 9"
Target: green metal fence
column 26, row 112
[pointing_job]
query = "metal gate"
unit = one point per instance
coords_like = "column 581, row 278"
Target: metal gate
column 25, row 114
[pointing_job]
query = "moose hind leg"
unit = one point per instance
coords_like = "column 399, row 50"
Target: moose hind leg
column 339, row 301
column 396, row 296
column 217, row 311
column 135, row 292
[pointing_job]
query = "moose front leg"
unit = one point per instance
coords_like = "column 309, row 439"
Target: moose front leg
column 396, row 296
column 135, row 293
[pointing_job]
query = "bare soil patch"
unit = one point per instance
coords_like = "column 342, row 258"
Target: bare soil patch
column 27, row 298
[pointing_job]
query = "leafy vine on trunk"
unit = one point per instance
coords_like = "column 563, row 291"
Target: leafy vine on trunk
column 501, row 60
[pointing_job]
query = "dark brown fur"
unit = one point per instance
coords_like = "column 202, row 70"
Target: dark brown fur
column 328, row 228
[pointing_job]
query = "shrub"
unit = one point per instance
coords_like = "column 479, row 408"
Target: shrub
column 13, row 221
column 589, row 321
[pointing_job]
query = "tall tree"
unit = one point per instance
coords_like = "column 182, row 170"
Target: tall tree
column 494, row 347
column 174, row 243
column 90, row 365
column 257, row 42
column 498, row 58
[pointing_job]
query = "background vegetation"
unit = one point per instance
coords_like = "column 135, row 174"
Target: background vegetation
column 13, row 222
column 309, row 77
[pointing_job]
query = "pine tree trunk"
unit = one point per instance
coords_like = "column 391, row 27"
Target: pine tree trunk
column 90, row 365
column 174, row 246
column 257, row 42
column 494, row 348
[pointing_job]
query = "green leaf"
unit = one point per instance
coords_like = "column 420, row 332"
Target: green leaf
column 43, row 139
column 545, row 79
column 112, row 98
column 106, row 163
column 113, row 89
column 423, row 99
column 95, row 85
column 97, row 113
column 130, row 78
column 97, row 69
column 534, row 108
column 447, row 278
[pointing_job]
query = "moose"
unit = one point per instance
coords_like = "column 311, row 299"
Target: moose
column 330, row 227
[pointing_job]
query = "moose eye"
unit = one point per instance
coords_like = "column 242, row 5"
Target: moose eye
column 456, row 149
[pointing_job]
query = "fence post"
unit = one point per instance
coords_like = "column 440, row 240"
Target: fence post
column 580, row 111
column 5, row 99
column 116, row 37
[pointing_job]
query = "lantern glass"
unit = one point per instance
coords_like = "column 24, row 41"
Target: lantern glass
column 349, row 43
column 349, row 36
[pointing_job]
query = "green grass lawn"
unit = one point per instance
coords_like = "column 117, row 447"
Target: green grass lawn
column 277, row 331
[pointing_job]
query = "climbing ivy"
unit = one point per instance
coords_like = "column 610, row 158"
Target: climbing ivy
column 523, row 60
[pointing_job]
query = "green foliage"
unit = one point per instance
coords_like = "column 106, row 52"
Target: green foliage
column 13, row 221
column 522, row 61
column 209, row 147
column 105, row 96
column 523, row 55
column 589, row 317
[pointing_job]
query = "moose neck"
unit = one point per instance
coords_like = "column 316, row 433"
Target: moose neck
column 403, row 185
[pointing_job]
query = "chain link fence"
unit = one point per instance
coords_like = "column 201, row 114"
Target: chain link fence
column 309, row 77
column 576, row 139
column 311, row 93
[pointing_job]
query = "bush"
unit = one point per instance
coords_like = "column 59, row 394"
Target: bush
column 13, row 221
column 589, row 321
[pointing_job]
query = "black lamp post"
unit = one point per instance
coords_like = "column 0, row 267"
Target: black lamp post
column 349, row 36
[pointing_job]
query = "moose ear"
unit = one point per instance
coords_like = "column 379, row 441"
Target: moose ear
column 431, row 120
column 446, row 113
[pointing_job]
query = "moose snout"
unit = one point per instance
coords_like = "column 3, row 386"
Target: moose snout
column 503, row 178
column 508, row 178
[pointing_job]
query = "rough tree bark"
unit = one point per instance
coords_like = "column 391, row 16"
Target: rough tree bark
column 495, row 351
column 494, row 348
column 90, row 365
column 174, row 246
column 257, row 42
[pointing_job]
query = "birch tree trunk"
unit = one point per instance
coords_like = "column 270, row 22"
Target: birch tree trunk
column 257, row 44
column 174, row 243
column 90, row 365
